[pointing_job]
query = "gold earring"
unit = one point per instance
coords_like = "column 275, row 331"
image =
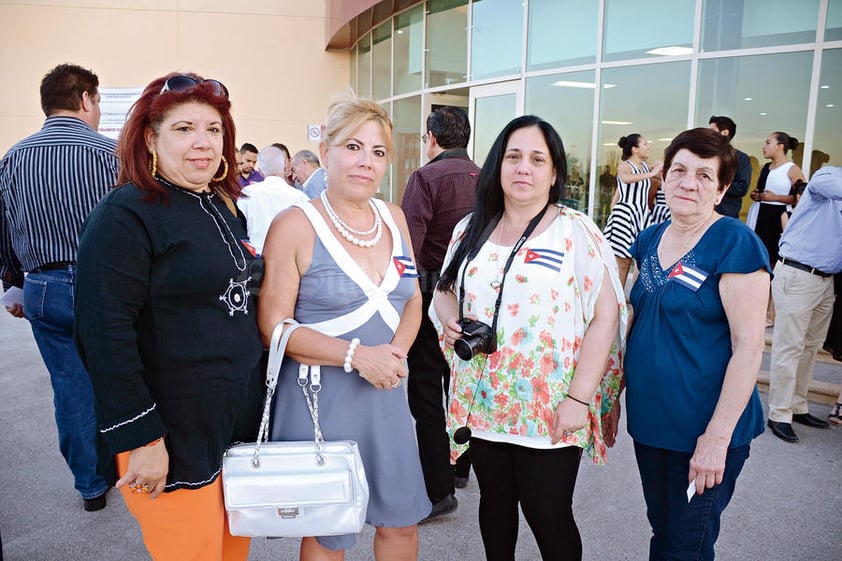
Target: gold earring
column 153, row 164
column 224, row 173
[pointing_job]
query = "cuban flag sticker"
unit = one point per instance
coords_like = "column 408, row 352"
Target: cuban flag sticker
column 248, row 245
column 405, row 267
column 548, row 258
column 688, row 276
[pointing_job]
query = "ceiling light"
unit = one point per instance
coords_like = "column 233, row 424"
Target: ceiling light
column 670, row 51
column 746, row 99
column 584, row 85
column 616, row 123
column 665, row 140
column 764, row 113
column 825, row 87
column 829, row 105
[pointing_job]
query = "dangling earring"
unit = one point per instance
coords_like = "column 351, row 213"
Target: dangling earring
column 224, row 173
column 153, row 163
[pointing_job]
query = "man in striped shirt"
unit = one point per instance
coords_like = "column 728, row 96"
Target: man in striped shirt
column 49, row 183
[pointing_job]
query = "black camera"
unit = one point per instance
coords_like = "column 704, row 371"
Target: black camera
column 477, row 337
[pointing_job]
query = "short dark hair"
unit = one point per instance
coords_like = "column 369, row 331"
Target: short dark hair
column 724, row 123
column 248, row 147
column 283, row 148
column 627, row 143
column 451, row 127
column 705, row 143
column 789, row 142
column 488, row 200
column 63, row 86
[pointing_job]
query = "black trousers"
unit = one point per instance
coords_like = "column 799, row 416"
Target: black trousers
column 542, row 483
column 428, row 382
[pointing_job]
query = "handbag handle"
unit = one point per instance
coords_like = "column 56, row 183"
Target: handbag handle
column 277, row 348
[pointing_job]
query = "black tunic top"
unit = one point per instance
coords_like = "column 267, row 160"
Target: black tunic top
column 167, row 329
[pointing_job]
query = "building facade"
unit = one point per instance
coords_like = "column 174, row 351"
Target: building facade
column 601, row 69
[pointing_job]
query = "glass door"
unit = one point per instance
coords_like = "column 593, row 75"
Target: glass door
column 491, row 108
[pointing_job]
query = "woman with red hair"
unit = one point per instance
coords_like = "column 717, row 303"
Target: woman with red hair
column 165, row 322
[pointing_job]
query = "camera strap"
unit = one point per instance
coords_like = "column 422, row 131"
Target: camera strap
column 486, row 233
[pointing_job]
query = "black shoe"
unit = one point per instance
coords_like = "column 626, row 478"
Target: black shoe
column 460, row 482
column 810, row 421
column 783, row 431
column 442, row 507
column 96, row 503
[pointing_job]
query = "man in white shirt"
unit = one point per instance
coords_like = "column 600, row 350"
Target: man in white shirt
column 262, row 200
column 309, row 173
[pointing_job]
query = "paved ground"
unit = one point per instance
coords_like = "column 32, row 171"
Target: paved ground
column 786, row 506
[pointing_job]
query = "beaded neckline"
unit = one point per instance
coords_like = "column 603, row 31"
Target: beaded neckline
column 351, row 234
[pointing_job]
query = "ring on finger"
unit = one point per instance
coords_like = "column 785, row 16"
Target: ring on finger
column 396, row 384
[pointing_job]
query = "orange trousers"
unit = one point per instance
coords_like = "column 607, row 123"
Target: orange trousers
column 184, row 525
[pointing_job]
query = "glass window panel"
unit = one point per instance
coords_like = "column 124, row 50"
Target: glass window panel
column 409, row 50
column 566, row 101
column 758, row 23
column 491, row 113
column 385, row 190
column 381, row 60
column 407, row 133
column 644, row 30
column 447, row 42
column 352, row 79
column 651, row 100
column 364, row 70
column 833, row 28
column 827, row 142
column 548, row 47
column 750, row 90
column 497, row 40
column 382, row 11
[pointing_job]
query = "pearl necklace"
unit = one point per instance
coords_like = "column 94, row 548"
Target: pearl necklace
column 349, row 233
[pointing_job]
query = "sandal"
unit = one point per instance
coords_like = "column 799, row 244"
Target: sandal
column 835, row 416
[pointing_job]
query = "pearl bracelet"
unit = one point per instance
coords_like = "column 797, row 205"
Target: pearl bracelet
column 349, row 354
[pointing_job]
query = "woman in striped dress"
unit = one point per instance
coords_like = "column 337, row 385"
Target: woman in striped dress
column 637, row 185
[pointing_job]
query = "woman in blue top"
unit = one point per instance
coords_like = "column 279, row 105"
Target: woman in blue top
column 694, row 350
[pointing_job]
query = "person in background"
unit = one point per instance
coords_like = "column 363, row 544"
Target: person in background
column 248, row 158
column 49, row 182
column 261, row 201
column 308, row 173
column 637, row 186
column 773, row 193
column 438, row 195
column 341, row 265
column 810, row 254
column 531, row 383
column 732, row 202
column 692, row 404
column 288, row 176
column 165, row 321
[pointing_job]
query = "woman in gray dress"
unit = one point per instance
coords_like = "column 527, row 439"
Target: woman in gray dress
column 340, row 264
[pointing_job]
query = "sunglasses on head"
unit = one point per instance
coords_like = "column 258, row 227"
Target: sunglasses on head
column 182, row 83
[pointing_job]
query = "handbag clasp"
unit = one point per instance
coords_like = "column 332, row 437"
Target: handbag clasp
column 288, row 512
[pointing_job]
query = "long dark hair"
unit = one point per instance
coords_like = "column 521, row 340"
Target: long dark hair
column 488, row 200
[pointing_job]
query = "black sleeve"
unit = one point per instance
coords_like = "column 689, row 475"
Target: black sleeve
column 114, row 260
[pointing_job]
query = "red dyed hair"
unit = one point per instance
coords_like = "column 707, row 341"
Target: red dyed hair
column 149, row 112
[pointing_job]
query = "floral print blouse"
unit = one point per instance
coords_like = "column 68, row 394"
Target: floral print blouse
column 548, row 300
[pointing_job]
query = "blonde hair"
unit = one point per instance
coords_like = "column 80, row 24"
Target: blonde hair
column 348, row 112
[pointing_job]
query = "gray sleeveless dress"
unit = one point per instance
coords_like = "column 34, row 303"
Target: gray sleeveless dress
column 337, row 298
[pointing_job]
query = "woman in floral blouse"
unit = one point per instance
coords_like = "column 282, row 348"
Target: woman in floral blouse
column 538, row 399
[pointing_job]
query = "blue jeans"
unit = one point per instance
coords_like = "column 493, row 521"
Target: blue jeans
column 48, row 299
column 683, row 531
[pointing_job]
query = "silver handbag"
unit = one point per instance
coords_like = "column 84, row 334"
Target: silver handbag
column 294, row 489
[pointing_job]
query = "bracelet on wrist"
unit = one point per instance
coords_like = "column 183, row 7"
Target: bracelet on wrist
column 349, row 354
column 577, row 400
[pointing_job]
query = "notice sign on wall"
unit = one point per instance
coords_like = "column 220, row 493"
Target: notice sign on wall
column 115, row 104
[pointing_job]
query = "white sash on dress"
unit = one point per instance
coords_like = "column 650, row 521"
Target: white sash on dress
column 377, row 296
